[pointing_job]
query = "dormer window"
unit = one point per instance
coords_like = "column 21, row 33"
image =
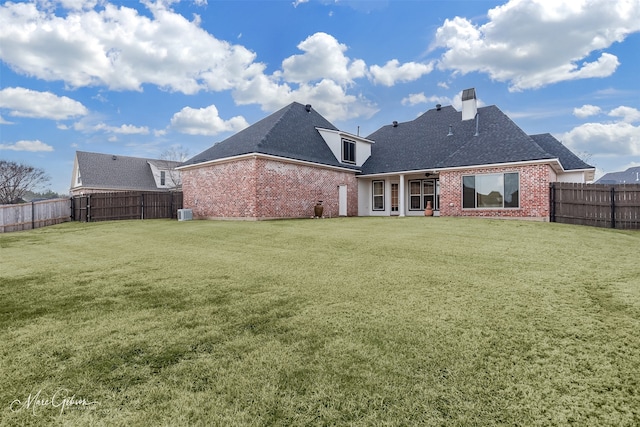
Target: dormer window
column 163, row 177
column 348, row 151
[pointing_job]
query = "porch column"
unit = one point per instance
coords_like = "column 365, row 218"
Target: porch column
column 401, row 196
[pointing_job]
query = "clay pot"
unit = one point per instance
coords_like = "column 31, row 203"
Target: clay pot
column 428, row 210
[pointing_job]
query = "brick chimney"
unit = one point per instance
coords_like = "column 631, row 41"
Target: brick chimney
column 469, row 104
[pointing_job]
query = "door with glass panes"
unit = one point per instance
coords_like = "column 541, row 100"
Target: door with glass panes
column 394, row 198
column 422, row 191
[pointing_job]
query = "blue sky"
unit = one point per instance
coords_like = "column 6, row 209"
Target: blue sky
column 138, row 78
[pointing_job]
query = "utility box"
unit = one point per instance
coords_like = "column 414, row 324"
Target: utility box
column 185, row 215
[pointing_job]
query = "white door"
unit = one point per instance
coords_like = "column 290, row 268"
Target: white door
column 342, row 200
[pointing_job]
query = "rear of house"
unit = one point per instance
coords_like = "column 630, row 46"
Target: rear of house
column 474, row 162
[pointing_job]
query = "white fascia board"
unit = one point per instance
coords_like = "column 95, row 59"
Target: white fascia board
column 264, row 156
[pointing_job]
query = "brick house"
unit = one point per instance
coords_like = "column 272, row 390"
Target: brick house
column 476, row 162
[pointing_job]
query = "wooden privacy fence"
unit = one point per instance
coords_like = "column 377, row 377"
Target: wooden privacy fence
column 27, row 216
column 599, row 205
column 125, row 205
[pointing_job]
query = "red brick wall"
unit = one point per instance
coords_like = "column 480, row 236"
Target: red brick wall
column 534, row 193
column 260, row 188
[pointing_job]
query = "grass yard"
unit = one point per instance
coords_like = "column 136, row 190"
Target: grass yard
column 353, row 321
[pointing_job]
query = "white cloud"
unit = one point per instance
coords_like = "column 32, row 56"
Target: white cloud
column 297, row 3
column 123, row 129
column 323, row 58
column 87, row 126
column 628, row 114
column 3, row 121
column 326, row 96
column 43, row 105
column 392, row 72
column 586, row 111
column 205, row 121
column 414, row 99
column 32, row 146
column 604, row 139
column 120, row 49
column 527, row 44
column 421, row 98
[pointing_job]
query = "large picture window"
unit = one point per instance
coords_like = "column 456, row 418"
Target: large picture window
column 500, row 190
column 348, row 151
column 378, row 195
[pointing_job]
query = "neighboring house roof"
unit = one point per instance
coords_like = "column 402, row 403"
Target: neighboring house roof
column 441, row 139
column 111, row 172
column 630, row 176
column 289, row 132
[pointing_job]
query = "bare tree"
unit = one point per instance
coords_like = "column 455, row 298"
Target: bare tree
column 16, row 179
column 172, row 157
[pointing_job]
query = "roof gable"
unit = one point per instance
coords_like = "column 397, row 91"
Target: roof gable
column 289, row 132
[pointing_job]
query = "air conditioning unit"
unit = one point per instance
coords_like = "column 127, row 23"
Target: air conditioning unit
column 185, row 214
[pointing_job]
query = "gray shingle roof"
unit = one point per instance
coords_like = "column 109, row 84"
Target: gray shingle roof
column 425, row 143
column 111, row 172
column 554, row 147
column 629, row 176
column 290, row 133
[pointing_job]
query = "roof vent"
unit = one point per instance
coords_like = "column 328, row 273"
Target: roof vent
column 438, row 107
column 308, row 108
column 450, row 131
column 395, row 123
column 114, row 157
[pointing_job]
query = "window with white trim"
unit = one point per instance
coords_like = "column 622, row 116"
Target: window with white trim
column 422, row 191
column 498, row 190
column 163, row 177
column 348, row 151
column 378, row 195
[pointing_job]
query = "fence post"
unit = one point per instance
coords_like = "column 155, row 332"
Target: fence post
column 552, row 199
column 613, row 207
column 141, row 205
column 89, row 208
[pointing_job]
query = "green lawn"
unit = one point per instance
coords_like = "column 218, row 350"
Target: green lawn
column 354, row 321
